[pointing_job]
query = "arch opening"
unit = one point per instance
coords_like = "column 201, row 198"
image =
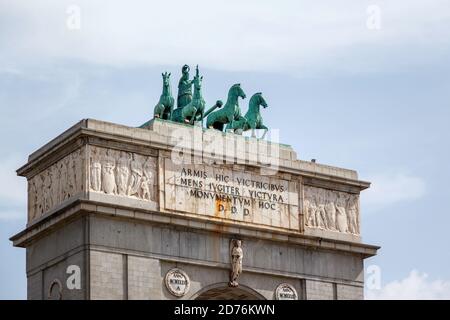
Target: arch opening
column 221, row 291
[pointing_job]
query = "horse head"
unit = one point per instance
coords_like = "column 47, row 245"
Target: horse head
column 237, row 91
column 166, row 79
column 198, row 83
column 257, row 100
column 261, row 100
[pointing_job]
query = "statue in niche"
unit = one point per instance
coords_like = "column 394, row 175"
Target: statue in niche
column 96, row 170
column 123, row 172
column 108, row 178
column 236, row 255
column 341, row 215
column 136, row 176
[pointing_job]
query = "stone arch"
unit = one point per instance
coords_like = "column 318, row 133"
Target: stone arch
column 52, row 288
column 221, row 291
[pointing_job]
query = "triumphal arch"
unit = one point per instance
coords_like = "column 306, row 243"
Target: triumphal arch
column 175, row 210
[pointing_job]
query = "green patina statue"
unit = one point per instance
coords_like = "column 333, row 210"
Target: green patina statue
column 252, row 119
column 195, row 109
column 191, row 109
column 164, row 108
column 184, row 94
column 230, row 112
column 184, row 88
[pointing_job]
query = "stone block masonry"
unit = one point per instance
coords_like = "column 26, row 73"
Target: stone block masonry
column 125, row 206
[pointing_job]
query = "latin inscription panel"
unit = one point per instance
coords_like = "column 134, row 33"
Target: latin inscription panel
column 222, row 192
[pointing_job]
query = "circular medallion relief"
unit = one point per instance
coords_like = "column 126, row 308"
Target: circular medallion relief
column 286, row 291
column 177, row 282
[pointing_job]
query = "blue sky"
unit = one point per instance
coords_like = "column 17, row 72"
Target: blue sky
column 374, row 99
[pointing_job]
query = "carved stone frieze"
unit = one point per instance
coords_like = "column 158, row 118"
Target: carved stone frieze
column 122, row 173
column 57, row 183
column 331, row 210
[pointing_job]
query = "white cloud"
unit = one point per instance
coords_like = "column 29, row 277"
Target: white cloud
column 415, row 286
column 388, row 189
column 290, row 36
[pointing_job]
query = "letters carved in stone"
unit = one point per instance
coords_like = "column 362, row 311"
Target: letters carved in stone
column 331, row 210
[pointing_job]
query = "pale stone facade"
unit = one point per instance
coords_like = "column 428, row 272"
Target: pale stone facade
column 127, row 205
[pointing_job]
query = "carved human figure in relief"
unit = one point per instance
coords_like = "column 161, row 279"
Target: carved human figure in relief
column 136, row 176
column 320, row 213
column 145, row 188
column 123, row 173
column 149, row 168
column 236, row 254
column 310, row 209
column 77, row 170
column 108, row 177
column 47, row 194
column 39, row 195
column 341, row 215
column 96, row 170
column 32, row 196
column 330, row 210
column 70, row 171
column 352, row 213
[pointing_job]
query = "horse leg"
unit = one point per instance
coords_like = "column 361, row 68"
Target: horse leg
column 156, row 111
column 265, row 130
column 194, row 112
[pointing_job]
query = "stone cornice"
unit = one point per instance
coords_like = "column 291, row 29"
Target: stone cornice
column 57, row 217
column 89, row 131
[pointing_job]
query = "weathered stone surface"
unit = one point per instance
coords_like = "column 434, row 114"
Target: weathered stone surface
column 221, row 192
column 117, row 202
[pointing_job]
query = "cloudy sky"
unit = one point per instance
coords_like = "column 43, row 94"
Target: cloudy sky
column 353, row 83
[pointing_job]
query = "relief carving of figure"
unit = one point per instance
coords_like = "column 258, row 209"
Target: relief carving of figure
column 309, row 214
column 352, row 213
column 96, row 170
column 136, row 176
column 149, row 168
column 39, row 195
column 236, row 254
column 341, row 215
column 145, row 193
column 123, row 173
column 47, row 193
column 70, row 171
column 108, row 177
column 32, row 196
column 330, row 210
column 321, row 217
column 78, row 170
